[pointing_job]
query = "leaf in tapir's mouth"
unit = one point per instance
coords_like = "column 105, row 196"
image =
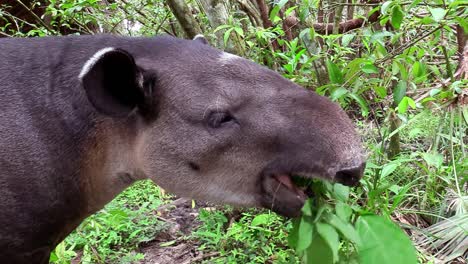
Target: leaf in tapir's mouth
column 287, row 181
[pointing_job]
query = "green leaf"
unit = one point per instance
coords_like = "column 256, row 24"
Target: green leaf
column 305, row 233
column 274, row 12
column 307, row 208
column 335, row 74
column 403, row 105
column 385, row 7
column 437, row 13
column 261, row 219
column 338, row 93
column 380, row 91
column 239, row 31
column 433, row 159
column 388, row 169
column 361, row 102
column 343, row 211
column 329, row 234
column 346, row 39
column 369, row 68
column 293, row 237
column 383, row 242
column 341, row 192
column 346, row 229
column 319, row 252
column 397, row 16
column 227, row 34
column 399, row 92
column 411, row 103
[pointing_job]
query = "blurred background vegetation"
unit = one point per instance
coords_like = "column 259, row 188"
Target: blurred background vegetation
column 399, row 68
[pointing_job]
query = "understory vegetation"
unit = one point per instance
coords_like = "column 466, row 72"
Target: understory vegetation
column 399, row 68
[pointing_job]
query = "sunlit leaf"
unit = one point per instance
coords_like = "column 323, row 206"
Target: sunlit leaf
column 305, row 233
column 433, row 159
column 335, row 74
column 329, row 234
column 319, row 251
column 345, row 228
column 397, row 16
column 369, row 68
column 437, row 13
column 338, row 93
column 346, row 39
column 343, row 211
column 403, row 105
column 388, row 169
column 383, row 242
column 341, row 192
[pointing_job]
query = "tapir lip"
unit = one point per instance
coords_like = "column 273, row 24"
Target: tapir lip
column 282, row 195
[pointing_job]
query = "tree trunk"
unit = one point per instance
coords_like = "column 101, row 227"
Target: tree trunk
column 217, row 14
column 182, row 12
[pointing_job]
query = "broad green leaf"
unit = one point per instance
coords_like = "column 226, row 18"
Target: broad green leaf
column 437, row 13
column 329, row 234
column 343, row 211
column 338, row 93
column 345, row 228
column 434, row 92
column 293, row 236
column 403, row 105
column 346, row 39
column 380, row 91
column 383, row 242
column 341, row 192
column 334, row 73
column 239, row 31
column 261, row 219
column 227, row 34
column 433, row 159
column 397, row 16
column 305, row 234
column 427, row 20
column 319, row 252
column 411, row 103
column 388, row 169
column 399, row 92
column 385, row 6
column 307, row 208
column 369, row 68
column 274, row 12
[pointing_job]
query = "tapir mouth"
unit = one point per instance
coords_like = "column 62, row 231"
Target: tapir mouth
column 286, row 192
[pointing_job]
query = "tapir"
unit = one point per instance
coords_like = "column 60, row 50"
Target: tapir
column 84, row 117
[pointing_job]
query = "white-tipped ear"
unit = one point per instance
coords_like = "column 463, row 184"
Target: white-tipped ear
column 201, row 38
column 113, row 82
column 91, row 61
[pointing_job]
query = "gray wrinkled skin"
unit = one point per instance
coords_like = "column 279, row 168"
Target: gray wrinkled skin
column 68, row 148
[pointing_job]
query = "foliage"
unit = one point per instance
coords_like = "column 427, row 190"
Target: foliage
column 113, row 234
column 257, row 237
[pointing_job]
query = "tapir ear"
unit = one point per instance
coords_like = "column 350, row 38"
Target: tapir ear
column 201, row 38
column 113, row 82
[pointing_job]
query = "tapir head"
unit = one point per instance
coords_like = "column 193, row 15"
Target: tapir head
column 217, row 127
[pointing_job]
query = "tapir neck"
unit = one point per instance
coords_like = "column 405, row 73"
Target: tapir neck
column 112, row 160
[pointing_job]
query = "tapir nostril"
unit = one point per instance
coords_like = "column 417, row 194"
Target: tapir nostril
column 350, row 176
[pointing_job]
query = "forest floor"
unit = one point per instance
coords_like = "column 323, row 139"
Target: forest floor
column 171, row 245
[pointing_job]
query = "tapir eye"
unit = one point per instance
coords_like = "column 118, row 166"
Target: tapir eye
column 218, row 119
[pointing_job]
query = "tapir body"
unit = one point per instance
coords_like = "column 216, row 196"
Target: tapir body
column 83, row 117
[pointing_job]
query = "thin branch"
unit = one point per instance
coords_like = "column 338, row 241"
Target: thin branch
column 38, row 19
